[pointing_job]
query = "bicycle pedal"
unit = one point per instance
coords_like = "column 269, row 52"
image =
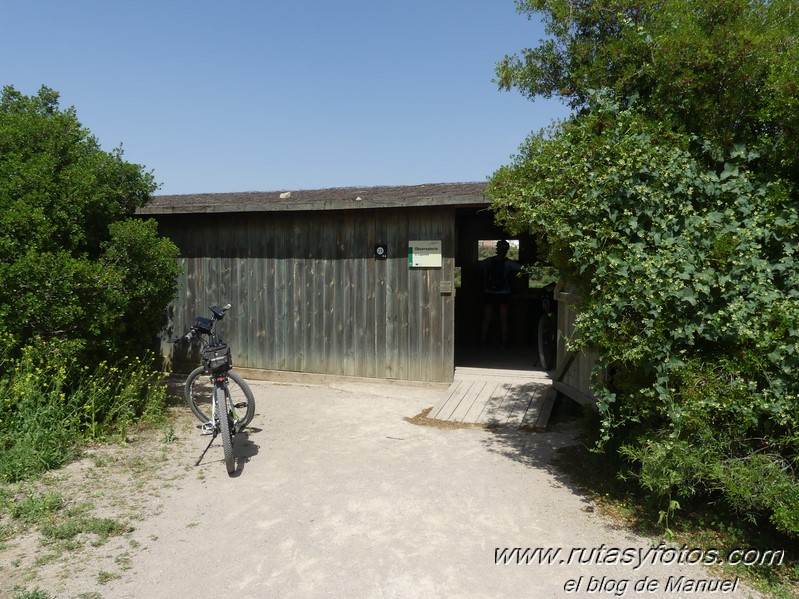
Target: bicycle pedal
column 207, row 428
column 240, row 405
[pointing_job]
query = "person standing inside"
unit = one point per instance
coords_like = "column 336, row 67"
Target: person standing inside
column 496, row 297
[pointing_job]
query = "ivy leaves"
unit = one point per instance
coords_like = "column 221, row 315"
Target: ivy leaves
column 686, row 266
column 669, row 201
column 660, row 246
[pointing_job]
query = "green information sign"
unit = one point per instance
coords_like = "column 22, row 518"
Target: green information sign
column 424, row 254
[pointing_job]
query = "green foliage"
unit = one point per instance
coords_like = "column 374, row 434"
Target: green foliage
column 705, row 524
column 49, row 404
column 74, row 267
column 102, row 528
column 83, row 286
column 668, row 202
column 143, row 269
column 689, row 287
column 725, row 71
column 37, row 593
column 37, row 430
column 37, row 508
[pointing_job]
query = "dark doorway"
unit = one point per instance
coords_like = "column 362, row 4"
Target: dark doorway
column 476, row 238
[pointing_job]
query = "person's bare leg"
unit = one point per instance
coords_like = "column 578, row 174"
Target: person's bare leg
column 487, row 313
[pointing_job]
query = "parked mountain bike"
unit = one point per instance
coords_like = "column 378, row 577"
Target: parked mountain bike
column 218, row 397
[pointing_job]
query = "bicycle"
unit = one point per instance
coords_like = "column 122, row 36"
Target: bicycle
column 224, row 409
column 548, row 329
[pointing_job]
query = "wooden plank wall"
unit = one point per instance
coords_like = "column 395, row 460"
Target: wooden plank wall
column 309, row 296
column 575, row 379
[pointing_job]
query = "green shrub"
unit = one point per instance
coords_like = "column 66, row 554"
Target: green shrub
column 49, row 405
column 689, row 284
column 84, row 284
column 80, row 271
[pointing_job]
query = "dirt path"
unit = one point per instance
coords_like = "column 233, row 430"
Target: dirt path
column 340, row 497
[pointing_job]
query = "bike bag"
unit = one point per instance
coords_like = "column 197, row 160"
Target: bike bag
column 204, row 325
column 217, row 359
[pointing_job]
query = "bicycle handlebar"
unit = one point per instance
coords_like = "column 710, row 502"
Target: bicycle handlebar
column 188, row 337
column 217, row 312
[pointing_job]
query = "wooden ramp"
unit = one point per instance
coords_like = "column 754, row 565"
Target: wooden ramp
column 520, row 398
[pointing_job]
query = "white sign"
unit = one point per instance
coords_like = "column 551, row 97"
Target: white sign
column 424, row 254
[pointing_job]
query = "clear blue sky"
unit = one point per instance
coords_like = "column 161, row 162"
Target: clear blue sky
column 278, row 95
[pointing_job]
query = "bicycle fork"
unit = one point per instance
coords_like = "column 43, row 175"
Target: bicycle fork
column 218, row 410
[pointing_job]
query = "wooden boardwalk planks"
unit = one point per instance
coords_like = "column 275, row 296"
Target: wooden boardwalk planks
column 491, row 396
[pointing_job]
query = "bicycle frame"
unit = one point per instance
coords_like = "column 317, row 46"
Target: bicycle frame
column 219, row 397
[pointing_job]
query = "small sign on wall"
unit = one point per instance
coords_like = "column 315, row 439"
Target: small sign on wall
column 424, row 254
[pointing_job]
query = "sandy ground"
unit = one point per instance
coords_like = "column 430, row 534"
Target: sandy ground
column 338, row 495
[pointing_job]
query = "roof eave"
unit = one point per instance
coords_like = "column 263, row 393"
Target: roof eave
column 462, row 194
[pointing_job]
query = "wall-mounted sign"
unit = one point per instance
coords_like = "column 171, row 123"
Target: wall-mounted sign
column 424, row 254
column 381, row 251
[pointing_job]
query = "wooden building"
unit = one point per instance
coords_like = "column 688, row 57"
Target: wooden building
column 378, row 282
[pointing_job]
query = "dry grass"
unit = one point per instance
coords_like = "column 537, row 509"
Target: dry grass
column 422, row 419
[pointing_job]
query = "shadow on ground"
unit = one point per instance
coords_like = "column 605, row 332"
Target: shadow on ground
column 547, row 451
column 175, row 395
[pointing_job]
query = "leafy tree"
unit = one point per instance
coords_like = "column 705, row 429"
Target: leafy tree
column 669, row 201
column 76, row 270
column 725, row 71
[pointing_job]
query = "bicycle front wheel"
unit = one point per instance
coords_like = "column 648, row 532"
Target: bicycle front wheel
column 225, row 429
column 199, row 393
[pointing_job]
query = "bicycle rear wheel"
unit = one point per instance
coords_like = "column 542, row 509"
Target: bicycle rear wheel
column 225, row 429
column 242, row 400
column 546, row 341
column 199, row 393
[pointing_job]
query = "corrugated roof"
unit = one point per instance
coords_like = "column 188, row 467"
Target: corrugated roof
column 338, row 198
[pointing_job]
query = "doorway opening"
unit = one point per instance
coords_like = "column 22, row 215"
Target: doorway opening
column 477, row 237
